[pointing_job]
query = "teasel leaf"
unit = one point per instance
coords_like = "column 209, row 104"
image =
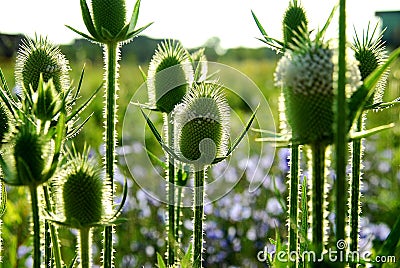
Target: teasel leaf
column 383, row 105
column 160, row 261
column 138, row 31
column 87, row 19
column 6, row 96
column 366, row 90
column 156, row 159
column 320, row 34
column 83, row 34
column 84, row 105
column 134, row 18
column 369, row 132
column 270, row 42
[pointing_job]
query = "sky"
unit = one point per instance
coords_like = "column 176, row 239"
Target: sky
column 192, row 22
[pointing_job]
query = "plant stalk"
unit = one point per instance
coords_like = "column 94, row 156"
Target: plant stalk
column 111, row 58
column 36, row 227
column 171, row 192
column 84, row 236
column 198, row 218
column 293, row 201
column 318, row 180
column 355, row 193
column 340, row 130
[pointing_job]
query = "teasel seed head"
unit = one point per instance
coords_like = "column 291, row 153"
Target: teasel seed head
column 294, row 24
column 30, row 152
column 40, row 57
column 306, row 76
column 169, row 76
column 371, row 54
column 109, row 15
column 85, row 195
column 202, row 124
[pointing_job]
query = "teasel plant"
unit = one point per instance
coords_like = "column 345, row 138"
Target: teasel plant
column 84, row 200
column 106, row 22
column 307, row 73
column 201, row 124
column 39, row 120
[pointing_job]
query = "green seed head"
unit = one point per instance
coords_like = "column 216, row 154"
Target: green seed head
column 39, row 56
column 169, row 74
column 83, row 193
column 294, row 24
column 202, row 124
column 30, row 154
column 306, row 78
column 370, row 53
column 109, row 15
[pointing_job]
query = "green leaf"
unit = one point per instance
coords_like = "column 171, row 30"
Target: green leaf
column 156, row 159
column 239, row 139
column 6, row 96
column 260, row 27
column 87, row 19
column 135, row 16
column 160, row 261
column 121, row 205
column 321, row 33
column 390, row 245
column 82, row 34
column 138, row 31
column 186, row 260
column 84, row 105
column 369, row 132
column 144, row 76
column 72, row 264
column 76, row 129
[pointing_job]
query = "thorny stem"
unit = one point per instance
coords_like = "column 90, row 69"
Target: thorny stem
column 171, row 192
column 198, row 218
column 52, row 236
column 355, row 192
column 84, row 235
column 293, row 200
column 340, row 130
column 111, row 54
column 36, row 227
column 318, row 178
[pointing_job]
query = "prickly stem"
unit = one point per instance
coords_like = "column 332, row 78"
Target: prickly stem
column 36, row 227
column 84, row 247
column 198, row 207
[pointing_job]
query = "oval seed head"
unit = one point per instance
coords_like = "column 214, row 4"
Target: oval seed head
column 306, row 79
column 370, row 53
column 202, row 124
column 82, row 193
column 109, row 15
column 169, row 75
column 30, row 154
column 39, row 56
column 294, row 24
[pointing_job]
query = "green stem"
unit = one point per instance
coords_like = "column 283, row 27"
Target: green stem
column 36, row 227
column 84, row 235
column 111, row 57
column 293, row 201
column 178, row 214
column 52, row 236
column 198, row 218
column 318, row 178
column 355, row 192
column 171, row 192
column 340, row 129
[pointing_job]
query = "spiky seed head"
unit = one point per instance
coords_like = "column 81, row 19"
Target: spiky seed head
column 4, row 122
column 82, row 192
column 294, row 24
column 371, row 54
column 169, row 75
column 30, row 152
column 202, row 124
column 109, row 15
column 39, row 56
column 306, row 79
column 46, row 101
column 199, row 64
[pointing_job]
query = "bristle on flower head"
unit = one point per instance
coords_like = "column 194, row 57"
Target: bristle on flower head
column 110, row 16
column 169, row 75
column 202, row 124
column 84, row 194
column 294, row 24
column 37, row 57
column 306, row 78
column 371, row 54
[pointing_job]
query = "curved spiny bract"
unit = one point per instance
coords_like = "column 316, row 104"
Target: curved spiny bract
column 5, row 124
